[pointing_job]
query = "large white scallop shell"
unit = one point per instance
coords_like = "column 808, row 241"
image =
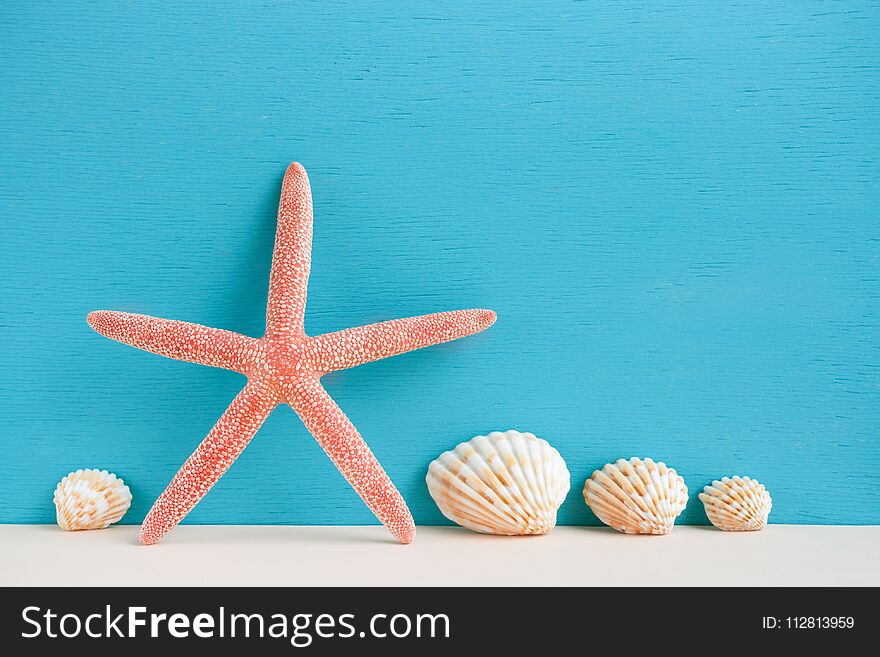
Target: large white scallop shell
column 90, row 499
column 636, row 496
column 507, row 483
column 737, row 504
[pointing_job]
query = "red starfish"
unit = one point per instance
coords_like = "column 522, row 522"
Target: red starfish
column 285, row 366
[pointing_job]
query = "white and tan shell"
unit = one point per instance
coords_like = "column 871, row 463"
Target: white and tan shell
column 90, row 499
column 508, row 483
column 737, row 504
column 636, row 496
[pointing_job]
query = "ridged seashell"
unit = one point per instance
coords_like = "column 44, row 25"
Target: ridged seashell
column 90, row 499
column 737, row 504
column 507, row 483
column 636, row 496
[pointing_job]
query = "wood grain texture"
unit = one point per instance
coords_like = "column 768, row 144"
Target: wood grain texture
column 672, row 208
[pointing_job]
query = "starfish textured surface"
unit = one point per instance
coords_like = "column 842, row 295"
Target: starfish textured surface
column 285, row 366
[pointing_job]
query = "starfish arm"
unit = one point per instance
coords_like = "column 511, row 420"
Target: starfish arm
column 173, row 339
column 343, row 444
column 364, row 344
column 292, row 256
column 209, row 462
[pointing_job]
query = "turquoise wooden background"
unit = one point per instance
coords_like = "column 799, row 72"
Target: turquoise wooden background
column 671, row 205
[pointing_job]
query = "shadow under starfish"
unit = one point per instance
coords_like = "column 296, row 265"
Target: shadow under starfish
column 285, row 367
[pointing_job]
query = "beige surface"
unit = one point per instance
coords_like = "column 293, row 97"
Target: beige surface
column 323, row 556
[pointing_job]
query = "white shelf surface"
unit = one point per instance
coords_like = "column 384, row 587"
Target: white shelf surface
column 797, row 555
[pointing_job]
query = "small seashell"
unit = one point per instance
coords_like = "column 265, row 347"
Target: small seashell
column 90, row 499
column 636, row 496
column 737, row 504
column 507, row 483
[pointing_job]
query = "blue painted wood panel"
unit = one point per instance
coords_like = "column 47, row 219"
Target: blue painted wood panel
column 671, row 205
